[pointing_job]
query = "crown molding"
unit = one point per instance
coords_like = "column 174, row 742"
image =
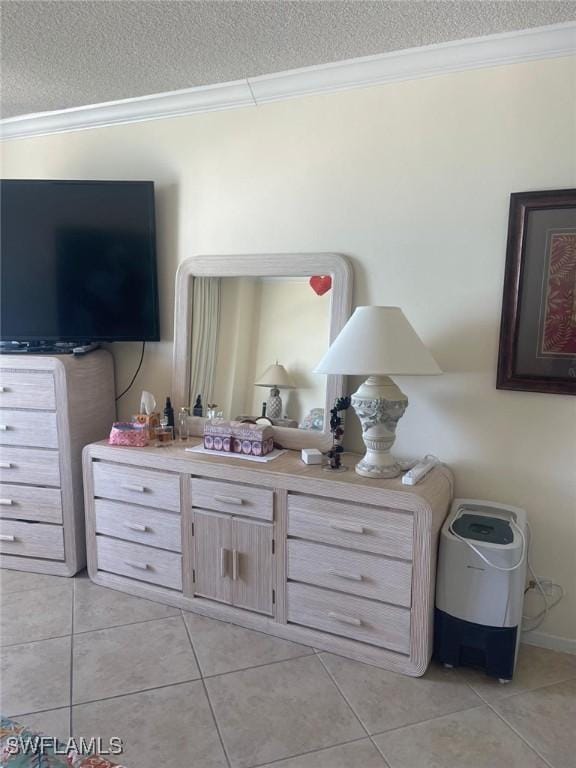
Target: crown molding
column 411, row 64
column 418, row 63
column 189, row 101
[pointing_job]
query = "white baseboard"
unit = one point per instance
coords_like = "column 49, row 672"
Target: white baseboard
column 544, row 640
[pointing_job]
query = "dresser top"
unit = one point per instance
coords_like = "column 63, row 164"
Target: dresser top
column 31, row 362
column 288, row 471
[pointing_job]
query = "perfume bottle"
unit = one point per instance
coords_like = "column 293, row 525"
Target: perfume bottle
column 169, row 413
column 183, row 426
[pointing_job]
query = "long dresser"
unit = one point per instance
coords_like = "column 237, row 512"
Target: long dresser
column 334, row 561
column 50, row 408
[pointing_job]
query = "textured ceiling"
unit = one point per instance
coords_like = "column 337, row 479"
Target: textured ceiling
column 57, row 54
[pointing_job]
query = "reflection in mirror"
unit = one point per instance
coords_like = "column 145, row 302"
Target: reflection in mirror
column 255, row 343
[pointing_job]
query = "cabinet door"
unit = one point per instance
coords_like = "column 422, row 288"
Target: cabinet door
column 213, row 555
column 252, row 565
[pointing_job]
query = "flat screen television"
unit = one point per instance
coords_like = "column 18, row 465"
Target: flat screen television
column 78, row 261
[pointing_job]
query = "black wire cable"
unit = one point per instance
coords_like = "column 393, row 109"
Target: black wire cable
column 136, row 374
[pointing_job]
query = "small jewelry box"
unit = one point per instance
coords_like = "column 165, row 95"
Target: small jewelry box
column 128, row 433
column 312, row 456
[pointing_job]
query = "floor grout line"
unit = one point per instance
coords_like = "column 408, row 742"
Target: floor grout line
column 29, row 642
column 224, row 750
column 520, row 736
column 88, row 631
column 35, row 712
column 341, row 692
column 426, row 720
column 70, row 723
column 131, row 693
column 508, row 696
column 381, row 753
column 127, row 624
column 308, row 752
column 258, row 666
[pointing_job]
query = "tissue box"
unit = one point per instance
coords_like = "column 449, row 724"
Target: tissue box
column 218, row 436
column 237, row 437
column 151, row 421
column 252, row 439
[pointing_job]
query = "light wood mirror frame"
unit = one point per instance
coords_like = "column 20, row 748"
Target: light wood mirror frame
column 261, row 265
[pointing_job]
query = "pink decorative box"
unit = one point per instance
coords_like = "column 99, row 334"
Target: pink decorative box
column 238, row 437
column 128, row 433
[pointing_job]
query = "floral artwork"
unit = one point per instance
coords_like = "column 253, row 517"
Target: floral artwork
column 559, row 326
column 538, row 326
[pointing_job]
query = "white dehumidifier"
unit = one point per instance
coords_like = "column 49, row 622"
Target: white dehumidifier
column 480, row 586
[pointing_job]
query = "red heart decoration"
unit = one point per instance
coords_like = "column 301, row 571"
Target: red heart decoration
column 321, row 284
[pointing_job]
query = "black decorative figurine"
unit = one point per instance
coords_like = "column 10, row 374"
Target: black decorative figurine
column 341, row 404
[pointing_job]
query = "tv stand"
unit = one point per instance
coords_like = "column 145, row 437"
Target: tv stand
column 47, row 347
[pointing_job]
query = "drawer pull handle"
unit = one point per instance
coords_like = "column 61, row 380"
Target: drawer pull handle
column 223, row 562
column 4, row 389
column 229, row 500
column 344, row 575
column 6, row 465
column 235, row 569
column 7, row 537
column 345, row 619
column 136, row 564
column 347, row 528
column 132, row 487
column 4, row 427
column 137, row 527
column 6, row 502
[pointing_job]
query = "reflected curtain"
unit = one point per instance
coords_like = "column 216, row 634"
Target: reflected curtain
column 205, row 325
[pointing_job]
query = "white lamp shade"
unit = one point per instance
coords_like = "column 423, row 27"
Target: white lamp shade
column 275, row 376
column 378, row 341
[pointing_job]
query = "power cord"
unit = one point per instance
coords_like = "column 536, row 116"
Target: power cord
column 133, row 379
column 542, row 615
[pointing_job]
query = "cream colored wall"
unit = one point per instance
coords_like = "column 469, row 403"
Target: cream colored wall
column 293, row 328
column 239, row 315
column 412, row 181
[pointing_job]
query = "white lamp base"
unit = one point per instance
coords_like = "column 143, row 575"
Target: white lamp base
column 379, row 405
column 274, row 404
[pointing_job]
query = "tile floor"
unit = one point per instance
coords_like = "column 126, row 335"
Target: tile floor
column 184, row 691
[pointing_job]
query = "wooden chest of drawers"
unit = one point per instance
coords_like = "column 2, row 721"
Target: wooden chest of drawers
column 332, row 561
column 50, row 407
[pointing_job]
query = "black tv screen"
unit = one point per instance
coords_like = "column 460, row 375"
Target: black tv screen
column 78, row 261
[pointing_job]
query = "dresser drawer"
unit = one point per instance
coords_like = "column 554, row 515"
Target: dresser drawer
column 233, row 498
column 29, row 465
column 25, row 502
column 27, row 389
column 373, row 576
column 28, row 428
column 139, row 486
column 144, row 526
column 354, row 617
column 381, row 531
column 139, row 562
column 32, row 539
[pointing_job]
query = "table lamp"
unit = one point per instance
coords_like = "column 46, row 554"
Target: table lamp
column 378, row 342
column 276, row 377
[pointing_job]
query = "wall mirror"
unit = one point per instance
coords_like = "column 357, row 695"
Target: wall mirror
column 249, row 330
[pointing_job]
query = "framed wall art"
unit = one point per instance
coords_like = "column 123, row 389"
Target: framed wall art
column 538, row 326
